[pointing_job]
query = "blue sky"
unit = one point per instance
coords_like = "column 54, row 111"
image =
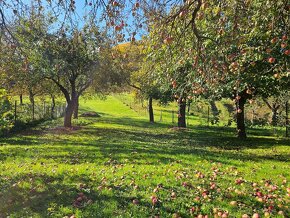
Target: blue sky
column 81, row 10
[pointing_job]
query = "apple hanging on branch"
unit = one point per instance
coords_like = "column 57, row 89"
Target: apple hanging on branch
column 168, row 40
column 271, row 60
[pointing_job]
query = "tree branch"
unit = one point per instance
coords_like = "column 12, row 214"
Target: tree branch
column 132, row 85
column 267, row 103
column 62, row 89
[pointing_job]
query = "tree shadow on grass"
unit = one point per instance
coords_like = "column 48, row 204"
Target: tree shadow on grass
column 149, row 147
column 47, row 193
column 150, row 142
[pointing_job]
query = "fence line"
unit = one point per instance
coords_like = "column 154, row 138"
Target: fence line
column 208, row 116
column 32, row 112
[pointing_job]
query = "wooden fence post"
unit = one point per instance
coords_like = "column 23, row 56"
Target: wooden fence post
column 44, row 109
column 208, row 116
column 15, row 111
column 33, row 110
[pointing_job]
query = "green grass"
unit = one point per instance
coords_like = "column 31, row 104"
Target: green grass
column 98, row 169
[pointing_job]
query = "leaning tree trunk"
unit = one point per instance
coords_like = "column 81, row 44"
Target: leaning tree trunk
column 274, row 108
column 76, row 109
column 150, row 110
column 241, row 127
column 181, row 112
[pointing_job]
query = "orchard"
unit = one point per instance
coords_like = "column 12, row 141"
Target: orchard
column 152, row 108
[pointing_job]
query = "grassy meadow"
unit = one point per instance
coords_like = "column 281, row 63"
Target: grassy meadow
column 120, row 165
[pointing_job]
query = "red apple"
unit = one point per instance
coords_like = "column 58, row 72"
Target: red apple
column 191, row 210
column 168, row 40
column 173, row 84
column 249, row 92
column 271, row 60
column 225, row 215
column 154, row 200
column 283, row 45
column 115, row 4
column 256, row 215
column 274, row 40
column 287, row 52
column 284, row 37
column 182, row 14
column 118, row 28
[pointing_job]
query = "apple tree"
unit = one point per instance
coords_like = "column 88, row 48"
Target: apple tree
column 228, row 46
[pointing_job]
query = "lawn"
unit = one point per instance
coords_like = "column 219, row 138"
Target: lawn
column 119, row 165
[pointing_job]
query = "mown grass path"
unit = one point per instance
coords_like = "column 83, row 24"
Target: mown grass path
column 119, row 165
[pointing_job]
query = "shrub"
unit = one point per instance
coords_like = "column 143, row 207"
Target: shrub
column 6, row 116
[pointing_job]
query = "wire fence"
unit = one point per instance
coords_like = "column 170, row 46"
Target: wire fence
column 32, row 112
column 204, row 114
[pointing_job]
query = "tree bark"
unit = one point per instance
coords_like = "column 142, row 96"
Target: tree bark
column 69, row 113
column 241, row 127
column 76, row 109
column 71, row 99
column 181, row 112
column 274, row 108
column 150, row 110
column 274, row 116
column 31, row 96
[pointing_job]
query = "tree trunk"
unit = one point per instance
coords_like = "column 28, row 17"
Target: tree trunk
column 274, row 116
column 76, row 109
column 181, row 112
column 188, row 106
column 21, row 99
column 274, row 108
column 31, row 96
column 241, row 127
column 69, row 113
column 150, row 110
column 31, row 99
column 52, row 106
